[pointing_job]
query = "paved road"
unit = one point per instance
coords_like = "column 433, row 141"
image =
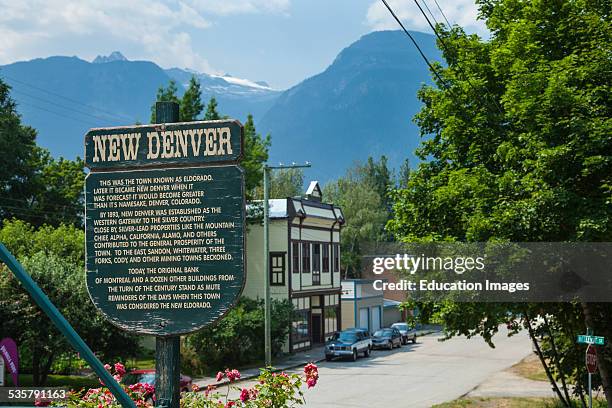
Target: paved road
column 419, row 375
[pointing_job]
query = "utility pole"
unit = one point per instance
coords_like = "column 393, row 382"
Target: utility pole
column 267, row 306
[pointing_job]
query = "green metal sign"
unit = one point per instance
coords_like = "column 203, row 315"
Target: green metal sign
column 165, row 244
column 586, row 339
column 194, row 143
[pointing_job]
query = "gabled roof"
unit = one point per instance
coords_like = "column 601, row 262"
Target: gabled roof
column 314, row 191
column 299, row 207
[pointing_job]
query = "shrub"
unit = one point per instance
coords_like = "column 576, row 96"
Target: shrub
column 237, row 339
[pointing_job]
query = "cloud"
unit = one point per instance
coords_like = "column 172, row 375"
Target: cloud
column 461, row 12
column 225, row 7
column 158, row 30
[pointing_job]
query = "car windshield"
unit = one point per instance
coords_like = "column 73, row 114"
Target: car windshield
column 400, row 326
column 381, row 333
column 347, row 337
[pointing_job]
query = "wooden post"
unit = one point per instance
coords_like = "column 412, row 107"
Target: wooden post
column 167, row 368
column 167, row 348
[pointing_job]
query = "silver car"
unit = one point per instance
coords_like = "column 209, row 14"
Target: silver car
column 407, row 332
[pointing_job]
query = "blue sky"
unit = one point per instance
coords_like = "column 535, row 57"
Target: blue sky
column 279, row 41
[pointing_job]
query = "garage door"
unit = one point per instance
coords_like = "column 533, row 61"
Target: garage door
column 363, row 318
column 375, row 314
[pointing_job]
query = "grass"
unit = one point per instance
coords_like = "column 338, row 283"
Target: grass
column 512, row 403
column 530, row 368
column 145, row 360
column 75, row 382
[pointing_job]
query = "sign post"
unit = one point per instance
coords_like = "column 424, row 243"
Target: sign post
column 164, row 230
column 591, row 365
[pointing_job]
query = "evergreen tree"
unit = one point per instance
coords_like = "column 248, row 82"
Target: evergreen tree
column 211, row 110
column 255, row 154
column 167, row 94
column 191, row 103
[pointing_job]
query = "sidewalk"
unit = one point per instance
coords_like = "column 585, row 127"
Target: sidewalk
column 286, row 362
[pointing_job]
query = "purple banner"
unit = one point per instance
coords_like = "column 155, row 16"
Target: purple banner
column 8, row 350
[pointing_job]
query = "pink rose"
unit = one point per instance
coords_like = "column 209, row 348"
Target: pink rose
column 244, row 395
column 119, row 369
column 311, row 382
column 219, row 376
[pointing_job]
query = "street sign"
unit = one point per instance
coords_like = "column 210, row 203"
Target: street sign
column 165, row 224
column 591, row 359
column 586, row 339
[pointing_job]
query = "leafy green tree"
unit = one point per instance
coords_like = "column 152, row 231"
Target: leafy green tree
column 34, row 186
column 283, row 183
column 191, row 104
column 255, row 155
column 211, row 110
column 364, row 210
column 20, row 155
column 55, row 259
column 286, row 183
column 518, row 143
column 167, row 94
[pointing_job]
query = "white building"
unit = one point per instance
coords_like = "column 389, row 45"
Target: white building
column 304, row 264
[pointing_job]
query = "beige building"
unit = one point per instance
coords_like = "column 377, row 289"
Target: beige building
column 304, row 264
column 362, row 305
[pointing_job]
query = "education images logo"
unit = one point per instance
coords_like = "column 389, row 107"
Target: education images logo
column 411, row 265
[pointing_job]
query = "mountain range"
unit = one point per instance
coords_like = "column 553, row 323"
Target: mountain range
column 361, row 105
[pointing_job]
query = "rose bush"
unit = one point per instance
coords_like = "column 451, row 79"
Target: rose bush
column 272, row 390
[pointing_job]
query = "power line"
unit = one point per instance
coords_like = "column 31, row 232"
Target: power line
column 90, row 124
column 443, row 15
column 430, row 13
column 431, row 67
column 446, row 49
column 112, row 114
column 59, row 105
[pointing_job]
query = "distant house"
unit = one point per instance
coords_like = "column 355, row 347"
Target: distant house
column 362, row 305
column 365, row 307
column 304, row 264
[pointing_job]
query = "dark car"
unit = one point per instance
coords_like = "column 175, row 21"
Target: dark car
column 387, row 338
column 408, row 333
column 148, row 377
column 348, row 343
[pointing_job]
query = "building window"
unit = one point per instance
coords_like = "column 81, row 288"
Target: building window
column 316, row 257
column 336, row 258
column 300, row 328
column 306, row 257
column 331, row 320
column 325, row 258
column 277, row 268
column 295, row 255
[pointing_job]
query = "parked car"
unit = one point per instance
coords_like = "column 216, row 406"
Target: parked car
column 408, row 333
column 347, row 343
column 388, row 338
column 148, row 377
column 365, row 332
